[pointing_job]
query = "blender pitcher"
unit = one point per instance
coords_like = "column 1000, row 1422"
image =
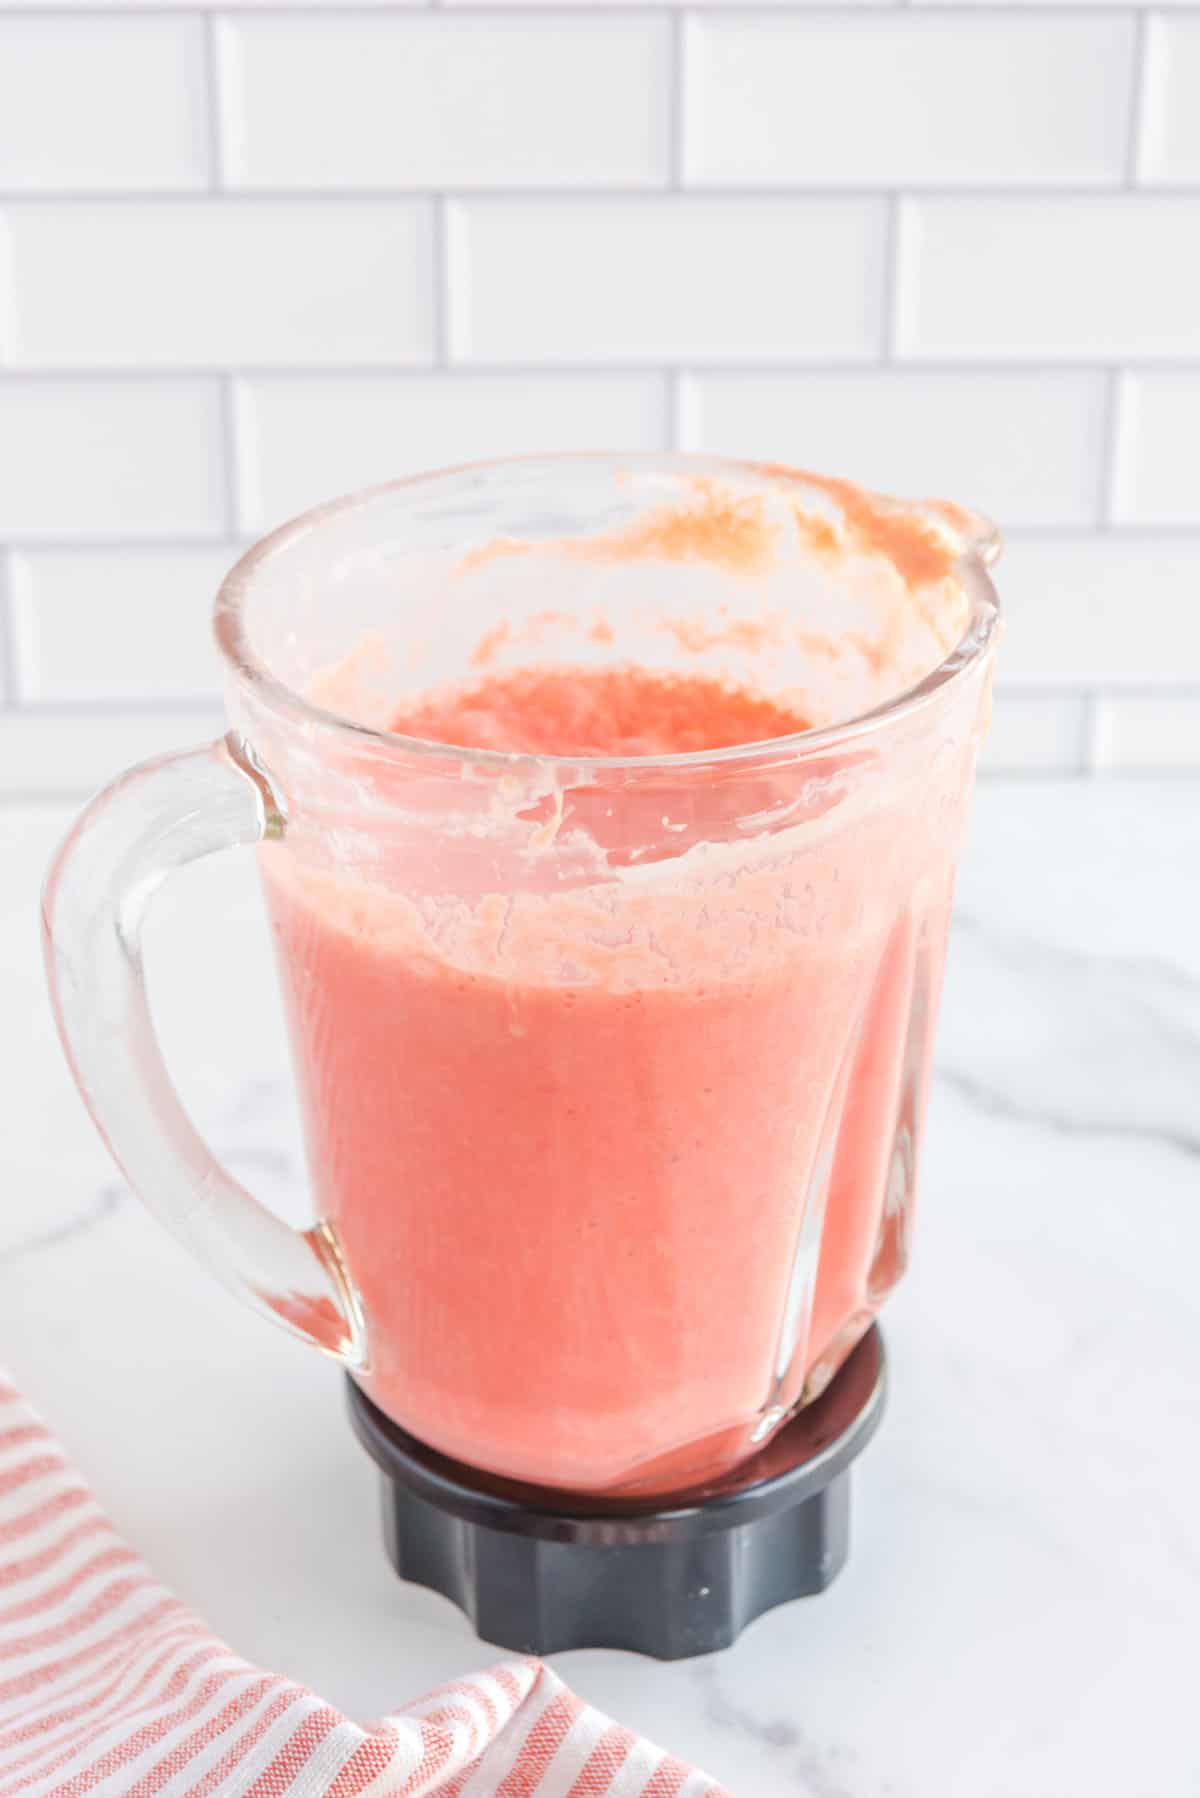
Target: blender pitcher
column 612, row 1068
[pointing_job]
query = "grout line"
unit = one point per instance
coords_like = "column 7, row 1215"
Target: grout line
column 34, row 797
column 866, row 366
column 1178, row 773
column 1091, row 727
column 37, row 798
column 208, row 705
column 986, row 772
column 217, row 171
column 236, row 543
column 676, row 103
column 1113, row 430
column 1136, row 532
column 440, row 258
column 1030, row 687
column 10, row 329
column 558, row 9
column 673, row 399
column 892, row 275
column 568, row 193
column 123, row 545
column 99, row 710
column 1139, row 112
column 22, row 649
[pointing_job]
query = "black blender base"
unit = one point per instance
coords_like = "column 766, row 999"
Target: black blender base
column 539, row 1571
column 667, row 1599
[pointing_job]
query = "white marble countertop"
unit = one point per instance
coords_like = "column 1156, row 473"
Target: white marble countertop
column 1019, row 1616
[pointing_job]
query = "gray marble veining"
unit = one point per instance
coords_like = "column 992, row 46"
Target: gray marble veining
column 1079, row 1042
column 69, row 1228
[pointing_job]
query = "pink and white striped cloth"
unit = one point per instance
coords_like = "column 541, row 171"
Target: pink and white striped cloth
column 110, row 1687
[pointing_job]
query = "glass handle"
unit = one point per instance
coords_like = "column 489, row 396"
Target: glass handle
column 154, row 819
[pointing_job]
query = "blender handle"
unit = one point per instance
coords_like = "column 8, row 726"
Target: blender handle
column 149, row 822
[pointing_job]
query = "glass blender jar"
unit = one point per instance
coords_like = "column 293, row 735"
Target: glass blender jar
column 612, row 1067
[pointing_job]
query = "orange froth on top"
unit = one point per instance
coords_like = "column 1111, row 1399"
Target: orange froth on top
column 818, row 533
column 734, row 532
column 722, row 529
column 915, row 550
column 596, row 711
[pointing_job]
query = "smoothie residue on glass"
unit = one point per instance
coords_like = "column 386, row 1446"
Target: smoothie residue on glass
column 746, row 628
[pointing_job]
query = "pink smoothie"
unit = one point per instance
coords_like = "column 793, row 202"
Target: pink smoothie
column 620, row 1175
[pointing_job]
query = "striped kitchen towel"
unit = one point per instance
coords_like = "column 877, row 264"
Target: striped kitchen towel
column 110, row 1687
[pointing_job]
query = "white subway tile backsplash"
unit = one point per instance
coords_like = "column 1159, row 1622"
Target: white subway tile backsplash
column 258, row 253
column 1101, row 609
column 49, row 754
column 102, row 102
column 1158, row 450
column 110, row 458
column 885, row 99
column 311, row 438
column 1149, row 733
column 665, row 279
column 116, row 624
column 329, row 100
column 1024, row 448
column 1171, row 132
column 1035, row 733
column 1068, row 277
column 212, row 283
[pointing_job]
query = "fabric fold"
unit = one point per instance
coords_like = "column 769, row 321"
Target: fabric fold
column 111, row 1688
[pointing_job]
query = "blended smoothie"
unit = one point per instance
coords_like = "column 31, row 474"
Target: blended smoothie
column 622, row 1168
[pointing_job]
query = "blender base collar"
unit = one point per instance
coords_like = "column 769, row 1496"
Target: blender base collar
column 679, row 1574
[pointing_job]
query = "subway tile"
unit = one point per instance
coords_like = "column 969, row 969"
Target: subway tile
column 1025, row 448
column 97, row 102
column 1158, row 456
column 308, row 439
column 364, row 100
column 1034, row 733
column 105, row 458
column 8, row 674
column 665, row 279
column 1101, row 609
column 1070, row 277
column 1170, row 148
column 907, row 97
column 128, row 624
column 220, row 282
column 50, row 754
column 1142, row 733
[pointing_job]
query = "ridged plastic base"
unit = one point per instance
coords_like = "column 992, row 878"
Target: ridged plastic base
column 538, row 1571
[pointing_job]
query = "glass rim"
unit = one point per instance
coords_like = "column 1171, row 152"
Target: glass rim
column 979, row 547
